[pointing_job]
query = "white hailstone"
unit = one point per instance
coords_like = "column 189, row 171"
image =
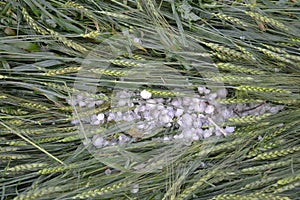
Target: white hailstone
column 86, row 119
column 212, row 96
column 205, row 123
column 186, row 101
column 137, row 40
column 200, row 107
column 275, row 109
column 209, row 109
column 91, row 104
column 248, row 113
column 203, row 164
column 257, row 111
column 106, row 143
column 195, row 100
column 195, row 137
column 130, row 104
column 96, row 122
column 201, row 116
column 123, row 139
column 111, row 116
column 122, row 102
column 107, row 171
column 155, row 114
column 71, row 102
column 188, row 132
column 121, row 94
column 98, row 142
column 280, row 125
column 86, row 142
column 168, row 125
column 75, row 121
column 135, row 115
column 171, row 113
column 197, row 108
column 199, row 131
column 119, row 116
column 179, row 112
column 168, row 100
column 226, row 113
column 219, row 132
column 191, row 108
column 159, row 100
column 137, row 109
column 179, row 122
column 169, row 108
column 82, row 103
column 207, row 133
column 259, row 138
column 152, row 125
column 145, row 94
column 93, row 117
column 141, row 125
column 187, row 120
column 165, row 119
column 135, row 189
column 99, row 102
column 197, row 123
column 100, row 117
column 160, row 106
column 164, row 111
column 201, row 90
column 240, row 107
column 222, row 93
column 151, row 104
column 89, row 99
column 176, row 103
column 207, row 91
column 142, row 108
column 146, row 115
column 129, row 117
column 176, row 137
column 166, row 138
column 79, row 97
column 218, row 118
column 229, row 129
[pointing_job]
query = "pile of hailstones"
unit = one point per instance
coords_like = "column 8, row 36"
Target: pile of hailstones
column 195, row 117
